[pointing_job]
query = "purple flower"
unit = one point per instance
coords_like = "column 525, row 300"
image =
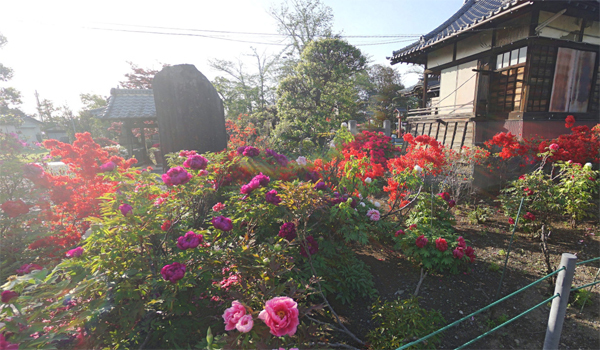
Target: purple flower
column 279, row 158
column 320, row 186
column 176, row 176
column 189, row 241
column 7, row 295
column 312, row 176
column 251, row 151
column 241, row 150
column 196, row 162
column 173, row 272
column 125, row 209
column 251, row 186
column 263, row 180
column 108, row 166
column 313, row 247
column 75, row 253
column 222, row 223
column 287, row 231
column 272, row 197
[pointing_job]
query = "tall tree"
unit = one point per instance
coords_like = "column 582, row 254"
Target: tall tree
column 319, row 95
column 10, row 98
column 303, row 21
column 384, row 95
column 139, row 78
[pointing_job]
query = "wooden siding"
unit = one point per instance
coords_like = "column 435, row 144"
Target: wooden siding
column 452, row 134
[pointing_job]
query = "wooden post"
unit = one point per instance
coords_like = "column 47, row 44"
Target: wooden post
column 127, row 129
column 425, row 78
column 143, row 136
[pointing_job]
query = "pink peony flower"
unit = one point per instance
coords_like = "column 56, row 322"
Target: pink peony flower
column 8, row 295
column 166, row 225
column 529, row 216
column 173, row 272
column 461, row 242
column 458, row 253
column 222, row 223
column 75, row 253
column 281, row 316
column 451, row 203
column 218, row 207
column 554, row 147
column 233, row 315
column 241, row 149
column 176, row 176
column 189, row 241
column 313, row 247
column 373, row 214
column 421, row 241
column 196, row 162
column 470, row 252
column 301, row 160
column 108, row 166
column 251, row 186
column 262, row 179
column 27, row 268
column 412, row 226
column 287, row 231
column 245, row 324
column 511, row 221
column 5, row 345
column 445, row 196
column 251, row 151
column 14, row 208
column 272, row 197
column 125, row 209
column 441, row 244
column 399, row 232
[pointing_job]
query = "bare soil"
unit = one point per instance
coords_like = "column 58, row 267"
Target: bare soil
column 459, row 295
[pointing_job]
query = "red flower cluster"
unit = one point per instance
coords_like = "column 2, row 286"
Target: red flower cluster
column 378, row 146
column 14, row 208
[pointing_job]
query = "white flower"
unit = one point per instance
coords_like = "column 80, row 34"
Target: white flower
column 360, row 196
column 368, row 180
column 362, row 204
column 344, row 125
column 418, row 169
column 377, row 204
column 588, row 165
column 301, row 160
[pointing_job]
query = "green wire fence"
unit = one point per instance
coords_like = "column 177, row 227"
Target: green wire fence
column 499, row 301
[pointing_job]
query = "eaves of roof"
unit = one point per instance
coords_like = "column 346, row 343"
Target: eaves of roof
column 130, row 104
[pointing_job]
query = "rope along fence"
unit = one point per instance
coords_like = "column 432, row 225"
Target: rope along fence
column 567, row 263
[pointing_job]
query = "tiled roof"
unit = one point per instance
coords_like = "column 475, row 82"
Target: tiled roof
column 130, row 104
column 470, row 14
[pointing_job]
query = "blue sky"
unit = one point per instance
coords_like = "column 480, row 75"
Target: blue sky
column 53, row 48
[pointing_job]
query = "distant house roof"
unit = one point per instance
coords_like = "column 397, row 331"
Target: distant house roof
column 129, row 104
column 433, row 84
column 469, row 15
column 31, row 119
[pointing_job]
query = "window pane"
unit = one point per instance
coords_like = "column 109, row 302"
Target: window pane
column 499, row 61
column 523, row 54
column 514, row 57
column 505, row 61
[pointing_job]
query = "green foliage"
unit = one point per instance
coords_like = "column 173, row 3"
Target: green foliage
column 494, row 267
column 480, row 214
column 491, row 323
column 583, row 297
column 402, row 321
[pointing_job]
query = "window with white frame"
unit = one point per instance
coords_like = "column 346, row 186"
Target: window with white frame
column 511, row 58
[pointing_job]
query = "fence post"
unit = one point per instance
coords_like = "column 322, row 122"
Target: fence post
column 559, row 305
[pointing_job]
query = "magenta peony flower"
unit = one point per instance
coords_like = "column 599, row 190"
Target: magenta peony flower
column 313, row 247
column 458, row 253
column 5, row 345
column 251, row 186
column 241, row 149
column 529, row 216
column 470, row 252
column 272, row 197
column 196, row 162
column 233, row 315
column 373, row 214
column 189, row 241
column 108, row 166
column 176, row 176
column 27, row 268
column 251, row 151
column 32, row 171
column 511, row 221
column 441, row 244
column 461, row 242
column 399, row 232
column 320, row 186
column 222, row 223
column 445, row 196
column 125, row 209
column 451, row 203
column 75, row 253
column 245, row 324
column 421, row 241
column 7, row 295
column 554, row 147
column 281, row 316
column 287, row 231
column 173, row 272
column 218, row 207
column 166, row 225
column 263, row 180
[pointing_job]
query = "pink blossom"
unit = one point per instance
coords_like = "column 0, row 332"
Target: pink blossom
column 262, row 179
column 373, row 214
column 245, row 324
column 399, row 232
column 75, row 253
column 125, row 209
column 554, row 147
column 173, row 272
column 176, row 176
column 27, row 268
column 511, row 221
column 7, row 295
column 108, row 166
column 218, row 207
column 251, row 151
column 421, row 241
column 441, row 244
column 5, row 345
column 222, row 223
column 458, row 253
column 251, row 186
column 461, row 242
column 451, row 203
column 189, row 241
column 281, row 316
column 196, row 162
column 232, row 315
column 287, row 231
column 313, row 247
column 272, row 197
column 445, row 196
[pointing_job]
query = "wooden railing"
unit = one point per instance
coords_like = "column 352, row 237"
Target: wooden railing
column 441, row 110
